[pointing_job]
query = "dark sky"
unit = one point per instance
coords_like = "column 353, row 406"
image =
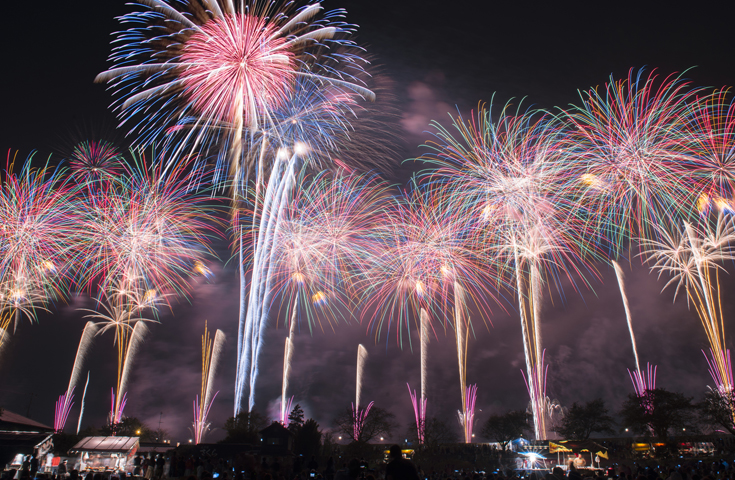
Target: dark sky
column 439, row 55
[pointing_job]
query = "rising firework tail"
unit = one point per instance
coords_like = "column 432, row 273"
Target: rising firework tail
column 81, row 407
column 467, row 414
column 63, row 406
column 287, row 356
column 643, row 382
column 419, row 411
column 211, row 351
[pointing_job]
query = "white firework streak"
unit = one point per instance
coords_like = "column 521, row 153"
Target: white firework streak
column 81, row 410
column 259, row 334
column 63, row 406
column 136, row 339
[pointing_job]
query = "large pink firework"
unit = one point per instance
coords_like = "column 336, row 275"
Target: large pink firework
column 238, row 64
column 206, row 71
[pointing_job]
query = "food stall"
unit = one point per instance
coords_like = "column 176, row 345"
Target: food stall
column 106, row 454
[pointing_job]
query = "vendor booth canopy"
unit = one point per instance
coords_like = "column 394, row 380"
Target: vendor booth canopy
column 20, row 435
column 106, row 445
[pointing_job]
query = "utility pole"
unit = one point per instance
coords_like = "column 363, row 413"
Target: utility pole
column 30, row 402
column 158, row 433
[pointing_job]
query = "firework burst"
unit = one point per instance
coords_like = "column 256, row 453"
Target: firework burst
column 150, row 232
column 214, row 69
column 38, row 235
column 710, row 144
column 691, row 256
column 144, row 235
column 421, row 253
column 511, row 180
column 94, row 161
column 626, row 139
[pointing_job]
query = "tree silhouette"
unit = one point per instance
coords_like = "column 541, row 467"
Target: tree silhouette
column 295, row 418
column 581, row 421
column 308, row 439
column 506, row 428
column 378, row 422
column 717, row 409
column 436, row 432
column 245, row 427
column 658, row 411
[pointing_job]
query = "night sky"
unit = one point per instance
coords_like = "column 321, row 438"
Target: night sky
column 441, row 56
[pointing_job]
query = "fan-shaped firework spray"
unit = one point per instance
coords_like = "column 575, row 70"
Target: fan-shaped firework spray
column 63, row 406
column 211, row 352
column 691, row 255
column 358, row 414
column 419, row 404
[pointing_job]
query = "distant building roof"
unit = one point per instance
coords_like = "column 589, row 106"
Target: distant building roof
column 106, row 444
column 14, row 422
column 277, row 429
column 154, row 447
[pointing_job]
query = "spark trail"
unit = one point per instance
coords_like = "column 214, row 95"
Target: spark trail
column 63, row 406
column 419, row 403
column 641, row 381
column 358, row 414
column 211, row 351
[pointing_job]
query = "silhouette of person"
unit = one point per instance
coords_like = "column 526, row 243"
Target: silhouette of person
column 400, row 468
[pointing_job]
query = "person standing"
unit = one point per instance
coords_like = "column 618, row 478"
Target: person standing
column 34, row 465
column 400, row 468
